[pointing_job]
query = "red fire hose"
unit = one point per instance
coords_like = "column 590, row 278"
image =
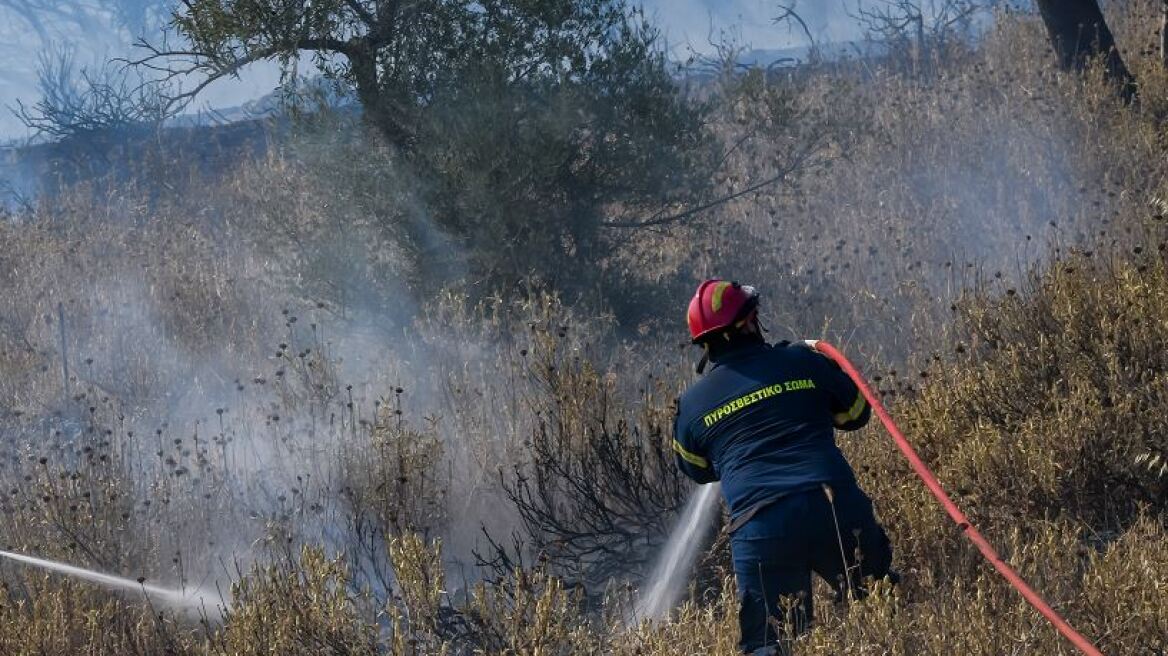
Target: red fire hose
column 959, row 517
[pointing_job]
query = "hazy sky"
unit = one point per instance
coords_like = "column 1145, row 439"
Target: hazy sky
column 687, row 24
column 692, row 21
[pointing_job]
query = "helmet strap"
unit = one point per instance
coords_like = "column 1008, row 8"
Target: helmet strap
column 701, row 368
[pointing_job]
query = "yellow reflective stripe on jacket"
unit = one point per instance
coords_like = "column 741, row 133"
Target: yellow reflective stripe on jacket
column 853, row 413
column 691, row 458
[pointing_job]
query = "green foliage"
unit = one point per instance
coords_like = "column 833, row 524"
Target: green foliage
column 525, row 124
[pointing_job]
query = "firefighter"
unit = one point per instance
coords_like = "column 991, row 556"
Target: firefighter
column 762, row 421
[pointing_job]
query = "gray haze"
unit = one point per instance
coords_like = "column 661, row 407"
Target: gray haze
column 689, row 26
column 692, row 23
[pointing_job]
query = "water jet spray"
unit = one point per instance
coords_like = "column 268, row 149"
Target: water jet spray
column 668, row 581
column 193, row 599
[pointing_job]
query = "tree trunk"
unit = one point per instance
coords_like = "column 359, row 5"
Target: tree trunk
column 376, row 109
column 1079, row 33
column 1164, row 35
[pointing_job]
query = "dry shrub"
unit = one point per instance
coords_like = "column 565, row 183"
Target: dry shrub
column 299, row 606
column 45, row 615
column 597, row 482
column 1055, row 403
column 1126, row 585
column 531, row 613
column 398, row 476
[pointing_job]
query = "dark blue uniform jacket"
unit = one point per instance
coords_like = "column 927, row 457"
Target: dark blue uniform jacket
column 763, row 422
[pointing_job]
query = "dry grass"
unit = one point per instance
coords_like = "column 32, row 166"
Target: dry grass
column 263, row 394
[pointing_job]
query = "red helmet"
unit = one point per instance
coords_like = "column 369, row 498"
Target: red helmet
column 718, row 305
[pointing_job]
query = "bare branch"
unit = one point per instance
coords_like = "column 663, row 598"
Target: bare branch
column 77, row 101
column 213, row 67
column 657, row 220
column 787, row 15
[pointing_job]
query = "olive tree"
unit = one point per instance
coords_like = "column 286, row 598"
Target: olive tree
column 532, row 127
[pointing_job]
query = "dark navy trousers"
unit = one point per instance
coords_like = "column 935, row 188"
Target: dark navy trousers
column 778, row 549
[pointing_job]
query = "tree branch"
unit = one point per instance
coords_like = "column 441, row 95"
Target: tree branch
column 215, row 68
column 789, row 14
column 658, row 220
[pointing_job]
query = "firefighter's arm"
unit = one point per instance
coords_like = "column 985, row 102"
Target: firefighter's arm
column 849, row 408
column 691, row 459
